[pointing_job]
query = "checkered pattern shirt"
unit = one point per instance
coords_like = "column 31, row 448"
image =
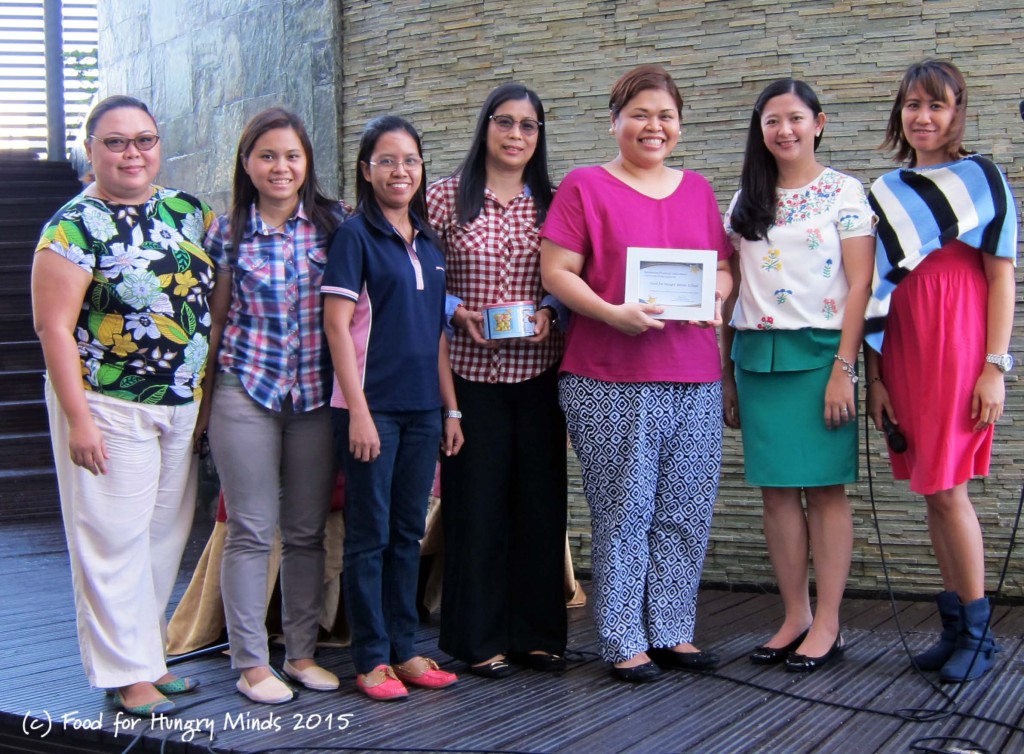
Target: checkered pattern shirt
column 493, row 260
column 274, row 336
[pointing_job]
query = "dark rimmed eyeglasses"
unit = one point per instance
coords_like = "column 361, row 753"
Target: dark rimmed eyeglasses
column 118, row 144
column 527, row 126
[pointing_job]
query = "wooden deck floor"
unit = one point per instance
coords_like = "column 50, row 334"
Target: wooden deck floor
column 850, row 707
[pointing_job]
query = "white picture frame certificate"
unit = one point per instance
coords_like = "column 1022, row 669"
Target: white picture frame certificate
column 681, row 281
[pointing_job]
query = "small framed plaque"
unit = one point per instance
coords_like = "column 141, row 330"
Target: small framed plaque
column 682, row 281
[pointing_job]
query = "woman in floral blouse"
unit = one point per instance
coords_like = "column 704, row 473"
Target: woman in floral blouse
column 119, row 295
column 804, row 236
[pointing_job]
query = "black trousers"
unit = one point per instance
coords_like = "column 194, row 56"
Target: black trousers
column 503, row 506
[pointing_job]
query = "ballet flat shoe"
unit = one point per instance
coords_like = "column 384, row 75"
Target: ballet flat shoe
column 545, row 663
column 178, row 686
column 313, row 677
column 645, row 673
column 798, row 663
column 696, row 661
column 763, row 655
column 159, row 707
column 496, row 669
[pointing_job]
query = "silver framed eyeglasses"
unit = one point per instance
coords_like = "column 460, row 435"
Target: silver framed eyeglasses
column 118, row 144
column 527, row 126
column 388, row 163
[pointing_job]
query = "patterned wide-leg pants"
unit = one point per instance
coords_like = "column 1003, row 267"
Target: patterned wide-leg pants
column 650, row 455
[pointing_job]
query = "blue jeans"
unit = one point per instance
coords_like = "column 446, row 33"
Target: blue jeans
column 385, row 514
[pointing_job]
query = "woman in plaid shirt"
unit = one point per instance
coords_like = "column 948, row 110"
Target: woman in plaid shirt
column 504, row 495
column 270, row 425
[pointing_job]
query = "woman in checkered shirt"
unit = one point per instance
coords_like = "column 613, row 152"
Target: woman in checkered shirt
column 504, row 495
column 270, row 422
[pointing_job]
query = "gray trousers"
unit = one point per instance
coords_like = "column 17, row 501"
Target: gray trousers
column 276, row 469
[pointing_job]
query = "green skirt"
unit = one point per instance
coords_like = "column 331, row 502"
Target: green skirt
column 781, row 378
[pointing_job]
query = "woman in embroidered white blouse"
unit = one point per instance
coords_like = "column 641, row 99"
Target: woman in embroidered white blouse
column 803, row 233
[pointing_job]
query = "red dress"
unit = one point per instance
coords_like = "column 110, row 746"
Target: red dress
column 932, row 355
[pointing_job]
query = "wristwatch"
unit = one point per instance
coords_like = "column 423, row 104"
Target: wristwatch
column 1004, row 361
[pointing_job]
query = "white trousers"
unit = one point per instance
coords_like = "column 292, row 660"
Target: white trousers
column 126, row 531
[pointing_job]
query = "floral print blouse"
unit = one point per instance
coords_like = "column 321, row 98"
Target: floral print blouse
column 143, row 332
column 793, row 279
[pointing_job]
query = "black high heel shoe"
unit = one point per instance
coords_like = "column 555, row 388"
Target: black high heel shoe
column 797, row 663
column 774, row 655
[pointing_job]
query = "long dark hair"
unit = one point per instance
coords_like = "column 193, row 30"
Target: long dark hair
column 473, row 170
column 934, row 76
column 366, row 200
column 321, row 210
column 754, row 212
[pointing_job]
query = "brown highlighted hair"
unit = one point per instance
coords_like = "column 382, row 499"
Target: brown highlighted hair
column 640, row 79
column 936, row 78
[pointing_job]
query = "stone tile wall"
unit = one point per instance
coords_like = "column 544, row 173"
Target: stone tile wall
column 206, row 66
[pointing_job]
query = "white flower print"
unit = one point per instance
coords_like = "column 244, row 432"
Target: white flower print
column 183, row 379
column 196, row 352
column 77, row 255
column 162, row 305
column 123, row 259
column 93, row 375
column 139, row 289
column 165, row 235
column 192, row 227
column 141, row 326
column 99, row 223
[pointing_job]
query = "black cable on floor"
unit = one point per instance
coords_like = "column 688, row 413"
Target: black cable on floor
column 927, row 714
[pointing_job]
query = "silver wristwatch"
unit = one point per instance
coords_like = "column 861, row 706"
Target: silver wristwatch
column 1004, row 361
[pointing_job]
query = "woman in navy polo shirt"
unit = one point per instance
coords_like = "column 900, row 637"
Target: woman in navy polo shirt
column 384, row 314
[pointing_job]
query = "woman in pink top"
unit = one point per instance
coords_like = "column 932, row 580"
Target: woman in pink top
column 642, row 396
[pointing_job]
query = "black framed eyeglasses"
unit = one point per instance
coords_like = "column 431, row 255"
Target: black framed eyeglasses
column 118, row 144
column 527, row 126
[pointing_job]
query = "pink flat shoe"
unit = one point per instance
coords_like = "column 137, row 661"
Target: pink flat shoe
column 385, row 684
column 431, row 678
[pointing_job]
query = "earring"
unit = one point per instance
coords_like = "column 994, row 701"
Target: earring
column 611, row 130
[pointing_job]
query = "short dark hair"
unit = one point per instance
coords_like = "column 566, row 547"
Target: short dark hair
column 113, row 102
column 754, row 211
column 366, row 200
column 320, row 209
column 473, row 170
column 935, row 77
column 640, row 79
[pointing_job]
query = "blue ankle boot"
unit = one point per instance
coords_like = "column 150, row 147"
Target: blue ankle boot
column 975, row 649
column 937, row 655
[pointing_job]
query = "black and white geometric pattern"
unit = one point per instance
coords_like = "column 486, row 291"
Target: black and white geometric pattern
column 650, row 454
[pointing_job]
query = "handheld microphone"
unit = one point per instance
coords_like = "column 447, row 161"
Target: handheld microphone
column 897, row 442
